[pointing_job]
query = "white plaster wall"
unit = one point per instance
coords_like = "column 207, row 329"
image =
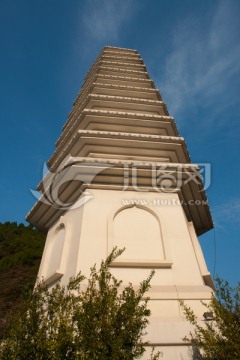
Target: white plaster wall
column 90, row 226
column 89, row 238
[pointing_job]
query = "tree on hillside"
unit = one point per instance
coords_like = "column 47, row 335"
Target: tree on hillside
column 219, row 337
column 98, row 322
column 21, row 250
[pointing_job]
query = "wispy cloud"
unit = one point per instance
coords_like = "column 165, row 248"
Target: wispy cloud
column 202, row 67
column 103, row 20
column 226, row 213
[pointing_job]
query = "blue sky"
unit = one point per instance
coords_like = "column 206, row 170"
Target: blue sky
column 192, row 52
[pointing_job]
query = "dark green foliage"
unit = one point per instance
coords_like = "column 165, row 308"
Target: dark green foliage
column 218, row 339
column 86, row 320
column 19, row 245
column 21, row 250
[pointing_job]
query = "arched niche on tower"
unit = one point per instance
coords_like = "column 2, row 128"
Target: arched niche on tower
column 53, row 269
column 138, row 229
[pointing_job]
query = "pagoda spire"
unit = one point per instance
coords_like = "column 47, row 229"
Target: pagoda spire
column 121, row 175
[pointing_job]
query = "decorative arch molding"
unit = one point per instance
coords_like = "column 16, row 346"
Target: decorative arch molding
column 54, row 269
column 161, row 261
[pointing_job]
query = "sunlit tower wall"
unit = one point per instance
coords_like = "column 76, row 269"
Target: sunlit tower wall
column 121, row 176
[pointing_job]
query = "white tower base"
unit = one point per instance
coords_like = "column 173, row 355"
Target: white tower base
column 155, row 235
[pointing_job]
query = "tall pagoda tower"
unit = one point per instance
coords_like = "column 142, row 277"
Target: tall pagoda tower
column 121, row 176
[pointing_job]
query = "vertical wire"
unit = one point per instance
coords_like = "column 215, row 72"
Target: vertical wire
column 215, row 253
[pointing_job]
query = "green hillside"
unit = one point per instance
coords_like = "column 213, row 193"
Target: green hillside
column 21, row 249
